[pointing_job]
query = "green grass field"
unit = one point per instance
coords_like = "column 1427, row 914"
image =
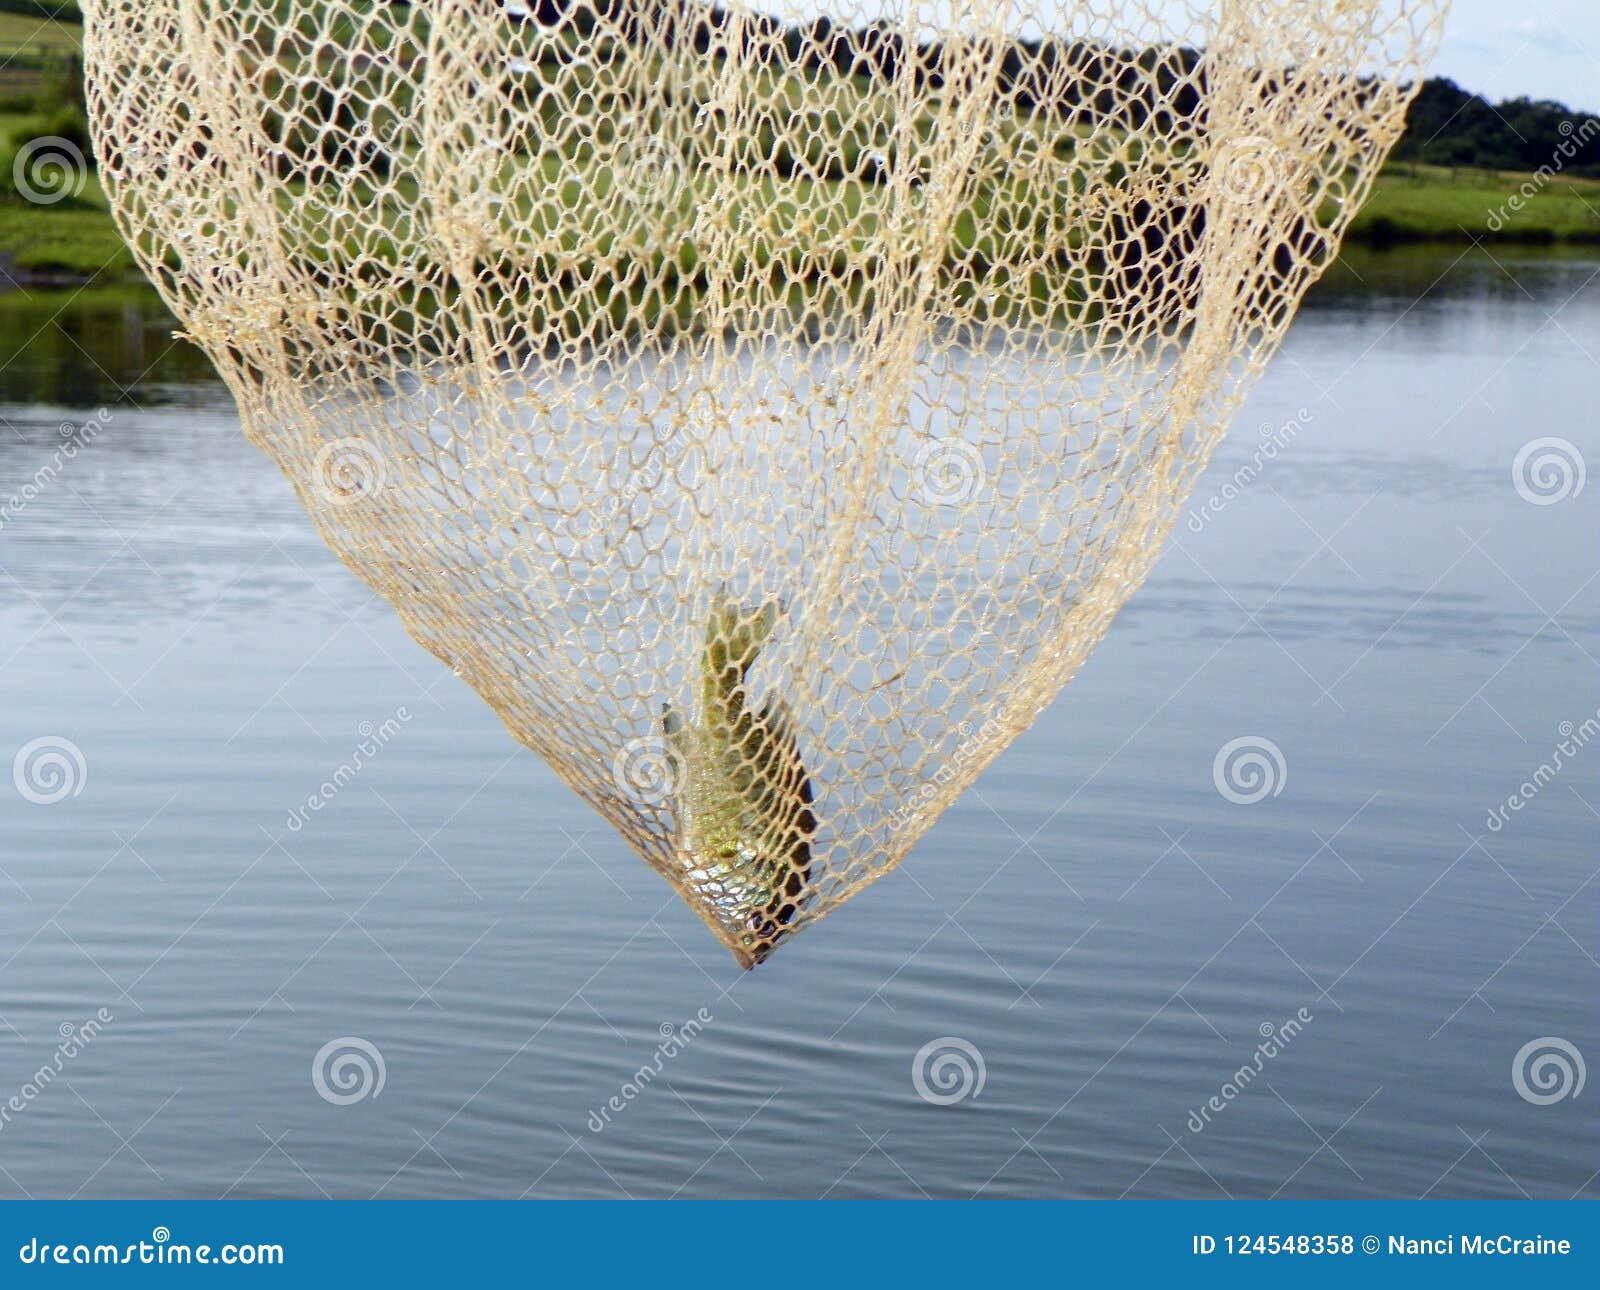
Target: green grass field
column 75, row 242
column 1430, row 203
column 73, row 238
column 1413, row 205
column 814, row 206
column 39, row 35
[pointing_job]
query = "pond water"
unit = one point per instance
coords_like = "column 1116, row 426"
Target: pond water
column 1107, row 935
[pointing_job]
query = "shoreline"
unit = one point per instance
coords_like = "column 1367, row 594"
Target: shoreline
column 76, row 242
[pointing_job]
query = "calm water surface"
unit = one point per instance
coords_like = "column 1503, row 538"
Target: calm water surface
column 1109, row 932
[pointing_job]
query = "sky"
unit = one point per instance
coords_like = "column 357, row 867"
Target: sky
column 1541, row 48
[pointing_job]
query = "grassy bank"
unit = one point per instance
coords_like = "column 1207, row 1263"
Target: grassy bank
column 20, row 31
column 76, row 238
column 813, row 200
column 1412, row 203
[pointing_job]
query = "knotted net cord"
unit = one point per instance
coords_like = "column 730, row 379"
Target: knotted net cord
column 765, row 409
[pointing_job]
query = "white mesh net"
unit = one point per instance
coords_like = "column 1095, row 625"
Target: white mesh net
column 765, row 410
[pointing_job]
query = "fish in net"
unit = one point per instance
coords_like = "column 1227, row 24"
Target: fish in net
column 765, row 408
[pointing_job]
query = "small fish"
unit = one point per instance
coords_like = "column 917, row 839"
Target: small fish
column 745, row 818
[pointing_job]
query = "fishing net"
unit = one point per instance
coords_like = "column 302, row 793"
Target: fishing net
column 765, row 409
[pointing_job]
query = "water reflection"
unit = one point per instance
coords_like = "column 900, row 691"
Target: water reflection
column 95, row 345
column 1103, row 927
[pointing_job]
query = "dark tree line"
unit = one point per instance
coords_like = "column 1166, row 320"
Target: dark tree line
column 65, row 10
column 1447, row 126
column 1080, row 81
column 1077, row 79
column 1085, row 82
